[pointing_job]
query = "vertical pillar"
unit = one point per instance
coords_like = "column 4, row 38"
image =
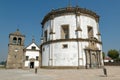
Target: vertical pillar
column 97, row 57
column 52, row 27
column 50, row 54
column 99, row 35
column 42, row 36
column 90, row 58
column 51, row 38
column 78, row 23
column 78, row 35
column 101, row 59
column 86, row 58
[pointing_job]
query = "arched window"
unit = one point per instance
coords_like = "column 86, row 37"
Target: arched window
column 19, row 41
column 14, row 40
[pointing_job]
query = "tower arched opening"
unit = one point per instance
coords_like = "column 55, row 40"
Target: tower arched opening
column 19, row 41
column 14, row 40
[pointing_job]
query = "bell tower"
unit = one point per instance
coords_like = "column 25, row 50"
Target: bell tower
column 15, row 50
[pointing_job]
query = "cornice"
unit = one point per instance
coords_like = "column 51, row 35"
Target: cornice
column 16, row 35
column 98, row 33
column 66, row 40
column 14, row 44
column 52, row 33
column 30, row 50
column 69, row 10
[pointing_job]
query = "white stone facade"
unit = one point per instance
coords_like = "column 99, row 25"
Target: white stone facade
column 71, row 52
column 32, row 56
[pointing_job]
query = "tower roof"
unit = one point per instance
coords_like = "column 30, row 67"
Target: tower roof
column 17, row 33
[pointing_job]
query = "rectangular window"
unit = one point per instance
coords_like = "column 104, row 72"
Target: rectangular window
column 43, row 49
column 45, row 35
column 33, row 48
column 65, row 45
column 37, row 57
column 90, row 31
column 27, row 57
column 64, row 32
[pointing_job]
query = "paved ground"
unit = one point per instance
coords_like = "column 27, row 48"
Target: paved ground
column 62, row 74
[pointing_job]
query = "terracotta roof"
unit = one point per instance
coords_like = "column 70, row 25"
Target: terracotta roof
column 107, row 58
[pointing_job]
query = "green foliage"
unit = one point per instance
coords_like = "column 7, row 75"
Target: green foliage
column 2, row 62
column 114, row 54
column 117, row 60
column 103, row 55
column 2, row 66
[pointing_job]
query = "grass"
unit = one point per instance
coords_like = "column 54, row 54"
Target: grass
column 2, row 66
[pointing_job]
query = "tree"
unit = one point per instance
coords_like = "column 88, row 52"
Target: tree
column 2, row 62
column 114, row 54
column 103, row 53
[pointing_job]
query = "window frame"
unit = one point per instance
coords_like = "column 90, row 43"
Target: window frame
column 37, row 58
column 45, row 35
column 26, row 58
column 64, row 46
column 90, row 31
column 33, row 48
column 65, row 32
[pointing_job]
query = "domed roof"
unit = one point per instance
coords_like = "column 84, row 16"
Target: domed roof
column 69, row 10
column 17, row 33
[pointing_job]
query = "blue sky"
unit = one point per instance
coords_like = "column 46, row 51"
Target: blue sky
column 28, row 14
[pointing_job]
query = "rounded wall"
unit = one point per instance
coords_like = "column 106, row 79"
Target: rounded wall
column 68, row 56
column 70, row 20
column 61, row 55
column 65, row 20
column 45, row 55
column 69, row 51
column 87, row 21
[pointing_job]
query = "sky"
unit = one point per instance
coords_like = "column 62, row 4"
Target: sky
column 26, row 15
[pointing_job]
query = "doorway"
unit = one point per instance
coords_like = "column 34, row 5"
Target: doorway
column 93, row 60
column 31, row 64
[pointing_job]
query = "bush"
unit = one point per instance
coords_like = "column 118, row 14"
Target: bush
column 114, row 54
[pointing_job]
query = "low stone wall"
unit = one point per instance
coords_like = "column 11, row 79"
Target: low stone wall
column 112, row 63
column 2, row 66
column 63, row 67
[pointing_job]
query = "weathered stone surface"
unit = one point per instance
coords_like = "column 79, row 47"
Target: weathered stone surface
column 15, row 50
